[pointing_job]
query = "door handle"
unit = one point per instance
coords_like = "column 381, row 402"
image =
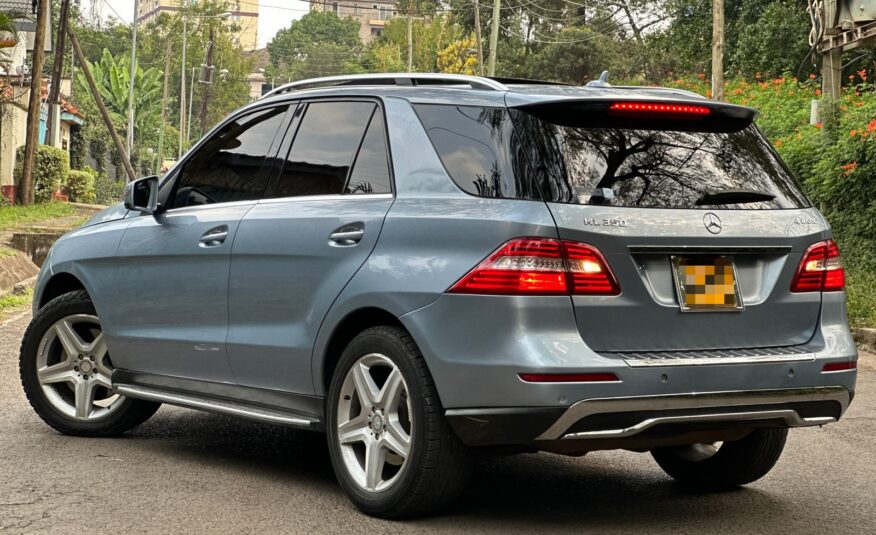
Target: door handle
column 346, row 236
column 214, row 237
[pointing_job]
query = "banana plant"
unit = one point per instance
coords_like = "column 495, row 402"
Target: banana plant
column 112, row 77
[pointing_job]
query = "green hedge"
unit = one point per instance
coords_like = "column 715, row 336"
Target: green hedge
column 51, row 167
column 80, row 185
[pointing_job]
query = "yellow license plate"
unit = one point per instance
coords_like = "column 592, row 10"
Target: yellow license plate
column 706, row 283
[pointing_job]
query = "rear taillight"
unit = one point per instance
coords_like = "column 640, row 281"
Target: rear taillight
column 820, row 270
column 840, row 366
column 541, row 266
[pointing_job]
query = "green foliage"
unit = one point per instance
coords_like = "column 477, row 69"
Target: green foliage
column 49, row 172
column 112, row 77
column 317, row 44
column 80, row 186
column 108, row 190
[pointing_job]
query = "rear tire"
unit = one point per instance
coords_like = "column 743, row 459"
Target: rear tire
column 423, row 465
column 735, row 463
column 66, row 372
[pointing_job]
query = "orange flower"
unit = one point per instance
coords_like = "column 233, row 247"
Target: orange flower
column 853, row 133
column 779, row 143
column 849, row 168
column 708, row 93
column 871, row 126
column 851, row 77
column 702, row 76
column 863, row 74
column 818, row 125
column 812, row 77
column 818, row 91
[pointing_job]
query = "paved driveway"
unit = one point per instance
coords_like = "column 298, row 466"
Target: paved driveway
column 189, row 472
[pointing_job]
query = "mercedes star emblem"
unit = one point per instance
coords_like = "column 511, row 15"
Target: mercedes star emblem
column 712, row 223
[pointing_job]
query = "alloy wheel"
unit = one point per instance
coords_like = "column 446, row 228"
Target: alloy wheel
column 74, row 370
column 374, row 422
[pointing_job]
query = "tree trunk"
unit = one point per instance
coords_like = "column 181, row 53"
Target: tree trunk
column 86, row 71
column 718, row 50
column 477, row 21
column 26, row 187
column 57, row 70
column 167, row 50
column 494, row 39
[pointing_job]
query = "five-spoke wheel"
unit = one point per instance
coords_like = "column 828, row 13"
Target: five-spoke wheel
column 66, row 371
column 73, row 368
column 374, row 422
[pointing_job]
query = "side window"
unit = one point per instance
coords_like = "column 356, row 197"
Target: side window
column 480, row 150
column 322, row 153
column 371, row 171
column 232, row 165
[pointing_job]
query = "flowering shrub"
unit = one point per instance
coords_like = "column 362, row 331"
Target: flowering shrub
column 837, row 168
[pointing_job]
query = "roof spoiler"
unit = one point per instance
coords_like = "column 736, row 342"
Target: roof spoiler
column 652, row 113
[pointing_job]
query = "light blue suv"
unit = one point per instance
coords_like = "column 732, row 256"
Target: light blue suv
column 429, row 266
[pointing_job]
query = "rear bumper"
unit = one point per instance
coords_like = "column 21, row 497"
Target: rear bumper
column 643, row 416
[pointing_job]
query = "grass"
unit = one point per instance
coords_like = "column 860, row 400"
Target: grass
column 6, row 251
column 11, row 302
column 15, row 216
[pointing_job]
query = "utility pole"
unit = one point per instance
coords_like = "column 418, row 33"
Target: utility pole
column 182, row 88
column 718, row 50
column 494, row 40
column 208, row 82
column 26, row 187
column 57, row 70
column 167, row 50
column 133, row 74
column 477, row 22
column 98, row 100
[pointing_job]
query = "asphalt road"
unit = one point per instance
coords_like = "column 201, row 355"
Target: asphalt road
column 191, row 472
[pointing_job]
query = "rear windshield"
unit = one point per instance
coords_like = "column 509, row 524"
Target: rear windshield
column 496, row 152
column 657, row 168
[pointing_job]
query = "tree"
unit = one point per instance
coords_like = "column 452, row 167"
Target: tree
column 318, row 43
column 112, row 77
column 457, row 58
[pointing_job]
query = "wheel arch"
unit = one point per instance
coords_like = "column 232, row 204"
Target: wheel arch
column 58, row 285
column 352, row 324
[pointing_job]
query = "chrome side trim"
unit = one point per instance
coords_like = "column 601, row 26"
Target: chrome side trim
column 640, row 359
column 397, row 79
column 791, row 418
column 705, row 400
column 222, row 407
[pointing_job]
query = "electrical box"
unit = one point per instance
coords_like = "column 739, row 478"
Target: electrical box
column 846, row 14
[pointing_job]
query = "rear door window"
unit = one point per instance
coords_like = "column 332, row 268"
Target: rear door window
column 322, row 153
column 658, row 168
column 480, row 150
column 370, row 173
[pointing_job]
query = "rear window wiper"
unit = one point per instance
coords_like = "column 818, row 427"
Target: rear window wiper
column 733, row 196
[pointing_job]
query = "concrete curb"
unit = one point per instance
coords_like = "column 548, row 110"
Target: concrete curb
column 865, row 338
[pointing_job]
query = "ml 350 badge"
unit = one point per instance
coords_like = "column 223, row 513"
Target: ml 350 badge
column 706, row 283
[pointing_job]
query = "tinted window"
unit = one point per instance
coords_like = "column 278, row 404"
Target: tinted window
column 231, row 165
column 480, row 150
column 371, row 170
column 322, row 152
column 658, row 168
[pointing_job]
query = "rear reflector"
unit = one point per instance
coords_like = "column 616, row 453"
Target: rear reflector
column 820, row 269
column 840, row 366
column 569, row 377
column 540, row 266
column 659, row 108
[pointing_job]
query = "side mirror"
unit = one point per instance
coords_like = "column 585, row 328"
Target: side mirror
column 142, row 195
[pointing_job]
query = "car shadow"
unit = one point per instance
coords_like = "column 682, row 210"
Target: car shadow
column 602, row 491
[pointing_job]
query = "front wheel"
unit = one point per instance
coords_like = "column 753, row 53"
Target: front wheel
column 66, row 372
column 728, row 465
column 391, row 448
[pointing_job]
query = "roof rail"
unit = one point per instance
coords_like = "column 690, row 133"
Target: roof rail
column 397, row 79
